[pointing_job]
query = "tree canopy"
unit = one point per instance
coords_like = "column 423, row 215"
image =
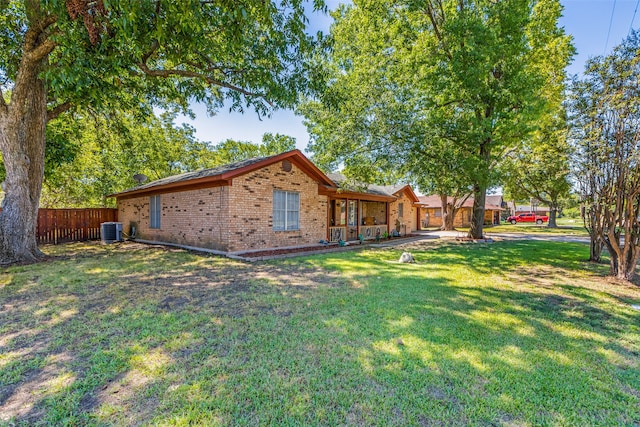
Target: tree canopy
column 605, row 107
column 436, row 88
column 540, row 167
column 58, row 55
column 98, row 155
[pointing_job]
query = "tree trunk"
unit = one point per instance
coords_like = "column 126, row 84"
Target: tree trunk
column 480, row 188
column 553, row 213
column 447, row 214
column 595, row 248
column 627, row 271
column 450, row 219
column 477, row 219
column 624, row 262
column 22, row 143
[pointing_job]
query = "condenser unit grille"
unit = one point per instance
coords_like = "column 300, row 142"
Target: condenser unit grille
column 111, row 232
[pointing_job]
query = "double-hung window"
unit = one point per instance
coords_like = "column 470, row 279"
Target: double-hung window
column 154, row 211
column 286, row 210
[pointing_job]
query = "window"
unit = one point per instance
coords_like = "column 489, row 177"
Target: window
column 401, row 210
column 154, row 212
column 286, row 210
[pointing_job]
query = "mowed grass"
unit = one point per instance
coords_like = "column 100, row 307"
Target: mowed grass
column 509, row 333
column 565, row 226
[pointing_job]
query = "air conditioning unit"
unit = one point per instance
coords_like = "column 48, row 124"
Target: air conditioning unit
column 111, row 232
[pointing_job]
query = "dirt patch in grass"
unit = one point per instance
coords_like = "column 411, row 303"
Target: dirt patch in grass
column 63, row 307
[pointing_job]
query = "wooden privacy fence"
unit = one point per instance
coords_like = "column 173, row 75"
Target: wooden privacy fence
column 72, row 225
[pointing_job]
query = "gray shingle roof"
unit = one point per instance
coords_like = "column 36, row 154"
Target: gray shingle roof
column 382, row 190
column 188, row 176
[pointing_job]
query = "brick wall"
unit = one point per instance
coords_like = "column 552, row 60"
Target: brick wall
column 194, row 218
column 251, row 209
column 409, row 213
column 434, row 221
column 377, row 210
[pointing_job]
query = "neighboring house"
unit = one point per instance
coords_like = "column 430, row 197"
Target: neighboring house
column 431, row 212
column 498, row 200
column 271, row 202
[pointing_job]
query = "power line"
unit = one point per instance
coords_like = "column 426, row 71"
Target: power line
column 606, row 45
column 634, row 17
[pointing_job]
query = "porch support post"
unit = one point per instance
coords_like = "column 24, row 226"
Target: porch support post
column 388, row 219
column 358, row 219
column 328, row 217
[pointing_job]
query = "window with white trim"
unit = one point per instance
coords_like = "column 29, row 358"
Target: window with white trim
column 286, row 210
column 154, row 211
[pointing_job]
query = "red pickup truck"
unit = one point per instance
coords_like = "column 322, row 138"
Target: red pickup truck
column 528, row 217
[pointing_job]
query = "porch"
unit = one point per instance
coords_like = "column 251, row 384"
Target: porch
column 352, row 219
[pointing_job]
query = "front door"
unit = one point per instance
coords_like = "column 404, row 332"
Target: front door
column 352, row 219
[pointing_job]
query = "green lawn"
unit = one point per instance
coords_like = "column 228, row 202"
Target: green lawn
column 510, row 333
column 565, row 226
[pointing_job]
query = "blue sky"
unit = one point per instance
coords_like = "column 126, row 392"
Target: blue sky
column 588, row 21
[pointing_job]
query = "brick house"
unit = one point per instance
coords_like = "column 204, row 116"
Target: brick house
column 430, row 208
column 270, row 202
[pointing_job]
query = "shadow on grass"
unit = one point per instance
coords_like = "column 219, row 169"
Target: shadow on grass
column 173, row 338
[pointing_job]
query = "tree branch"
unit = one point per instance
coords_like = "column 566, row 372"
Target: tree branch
column 34, row 49
column 436, row 29
column 446, row 104
column 196, row 75
column 58, row 109
column 41, row 51
column 154, row 47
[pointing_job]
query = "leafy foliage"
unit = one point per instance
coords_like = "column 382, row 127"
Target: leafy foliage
column 232, row 151
column 606, row 118
column 540, row 169
column 423, row 89
column 249, row 52
column 94, row 156
column 57, row 55
column 113, row 149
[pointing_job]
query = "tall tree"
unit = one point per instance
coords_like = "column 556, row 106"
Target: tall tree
column 230, row 150
column 540, row 169
column 606, row 115
column 99, row 155
column 59, row 54
column 409, row 77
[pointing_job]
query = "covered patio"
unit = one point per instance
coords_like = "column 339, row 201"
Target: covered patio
column 353, row 216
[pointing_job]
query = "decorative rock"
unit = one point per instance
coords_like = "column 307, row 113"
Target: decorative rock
column 406, row 257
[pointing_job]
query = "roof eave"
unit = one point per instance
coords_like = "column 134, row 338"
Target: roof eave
column 412, row 195
column 192, row 184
